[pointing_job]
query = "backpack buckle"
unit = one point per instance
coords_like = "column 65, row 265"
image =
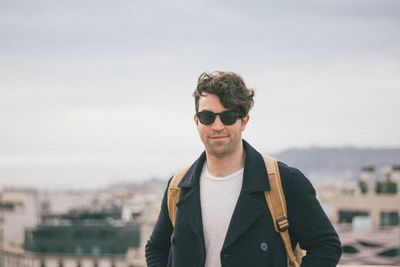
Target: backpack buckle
column 283, row 224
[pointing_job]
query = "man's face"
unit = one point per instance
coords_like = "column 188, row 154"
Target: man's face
column 219, row 139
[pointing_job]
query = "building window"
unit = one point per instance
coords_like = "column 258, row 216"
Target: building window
column 78, row 250
column 95, row 250
column 350, row 249
column 346, row 216
column 394, row 252
column 389, row 219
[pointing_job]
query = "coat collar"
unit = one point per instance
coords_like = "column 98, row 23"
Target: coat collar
column 254, row 175
column 248, row 208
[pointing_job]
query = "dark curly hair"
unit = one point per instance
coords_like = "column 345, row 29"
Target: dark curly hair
column 230, row 89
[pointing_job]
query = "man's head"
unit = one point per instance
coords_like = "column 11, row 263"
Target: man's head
column 230, row 89
column 222, row 105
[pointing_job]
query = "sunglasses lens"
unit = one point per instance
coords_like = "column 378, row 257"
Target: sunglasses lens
column 206, row 117
column 229, row 117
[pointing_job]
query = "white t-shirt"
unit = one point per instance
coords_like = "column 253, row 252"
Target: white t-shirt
column 218, row 197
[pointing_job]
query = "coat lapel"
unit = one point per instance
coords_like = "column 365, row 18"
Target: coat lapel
column 250, row 205
column 247, row 210
column 189, row 200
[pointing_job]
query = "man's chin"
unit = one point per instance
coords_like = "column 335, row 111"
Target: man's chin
column 218, row 150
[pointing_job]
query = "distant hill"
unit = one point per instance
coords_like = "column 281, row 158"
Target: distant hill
column 340, row 160
column 329, row 165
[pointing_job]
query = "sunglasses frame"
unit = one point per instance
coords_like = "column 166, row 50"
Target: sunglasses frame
column 221, row 116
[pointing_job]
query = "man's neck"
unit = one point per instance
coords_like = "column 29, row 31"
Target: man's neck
column 224, row 166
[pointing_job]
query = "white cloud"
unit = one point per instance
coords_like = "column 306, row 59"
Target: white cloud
column 96, row 91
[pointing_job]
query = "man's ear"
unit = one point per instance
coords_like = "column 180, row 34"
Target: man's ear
column 196, row 120
column 244, row 121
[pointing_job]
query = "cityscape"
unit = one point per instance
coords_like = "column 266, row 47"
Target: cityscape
column 110, row 226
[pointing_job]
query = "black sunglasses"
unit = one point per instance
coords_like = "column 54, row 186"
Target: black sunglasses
column 228, row 117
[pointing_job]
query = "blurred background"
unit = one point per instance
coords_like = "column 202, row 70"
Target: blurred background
column 97, row 113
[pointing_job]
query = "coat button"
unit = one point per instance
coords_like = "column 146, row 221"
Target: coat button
column 264, row 246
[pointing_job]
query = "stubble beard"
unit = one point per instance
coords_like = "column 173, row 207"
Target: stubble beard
column 219, row 152
column 219, row 149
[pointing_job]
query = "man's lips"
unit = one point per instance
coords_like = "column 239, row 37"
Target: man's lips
column 218, row 136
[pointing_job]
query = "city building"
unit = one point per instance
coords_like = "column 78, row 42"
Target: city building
column 367, row 219
column 96, row 230
column 380, row 208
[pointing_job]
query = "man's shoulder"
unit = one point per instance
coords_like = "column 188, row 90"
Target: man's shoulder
column 285, row 169
column 292, row 177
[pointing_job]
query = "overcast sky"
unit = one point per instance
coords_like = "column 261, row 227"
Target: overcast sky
column 98, row 92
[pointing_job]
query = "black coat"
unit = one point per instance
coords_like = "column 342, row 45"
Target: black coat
column 251, row 239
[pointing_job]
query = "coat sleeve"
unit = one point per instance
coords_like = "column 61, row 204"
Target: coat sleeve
column 309, row 225
column 157, row 247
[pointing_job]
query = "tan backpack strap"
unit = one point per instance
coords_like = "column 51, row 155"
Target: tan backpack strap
column 277, row 205
column 173, row 193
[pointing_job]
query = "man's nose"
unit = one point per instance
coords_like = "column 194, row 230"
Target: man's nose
column 217, row 125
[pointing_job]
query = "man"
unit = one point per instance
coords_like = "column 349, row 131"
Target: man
column 222, row 216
